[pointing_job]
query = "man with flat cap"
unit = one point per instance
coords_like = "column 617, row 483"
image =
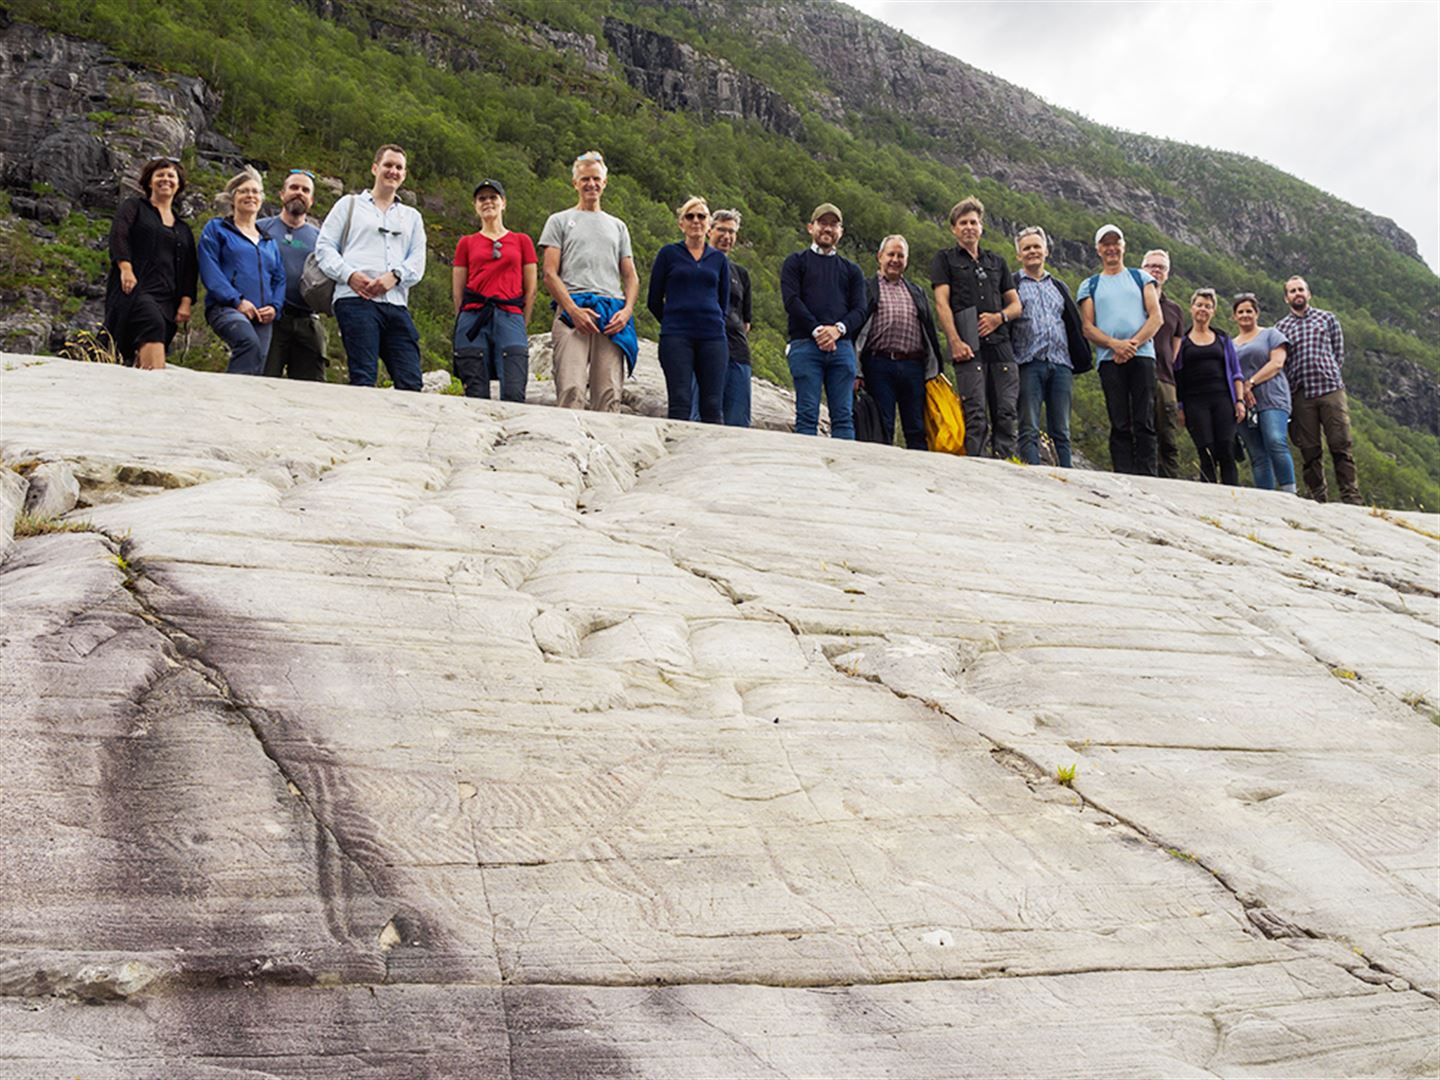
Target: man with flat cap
column 825, row 304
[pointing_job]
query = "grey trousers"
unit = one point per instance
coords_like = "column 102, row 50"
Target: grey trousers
column 989, row 389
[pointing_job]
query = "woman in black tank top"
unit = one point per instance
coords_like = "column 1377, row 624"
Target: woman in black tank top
column 1208, row 390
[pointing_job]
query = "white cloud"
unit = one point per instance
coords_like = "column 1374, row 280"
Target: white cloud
column 1342, row 95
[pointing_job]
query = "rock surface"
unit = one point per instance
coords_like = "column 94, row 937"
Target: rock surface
column 406, row 734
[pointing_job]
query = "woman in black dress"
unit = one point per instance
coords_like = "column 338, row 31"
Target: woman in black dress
column 1210, row 391
column 153, row 271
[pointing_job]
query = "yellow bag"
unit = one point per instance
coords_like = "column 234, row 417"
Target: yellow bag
column 944, row 419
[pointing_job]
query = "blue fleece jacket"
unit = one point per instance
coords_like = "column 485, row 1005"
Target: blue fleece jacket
column 235, row 268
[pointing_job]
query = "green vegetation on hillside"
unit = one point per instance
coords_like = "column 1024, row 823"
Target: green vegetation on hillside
column 471, row 96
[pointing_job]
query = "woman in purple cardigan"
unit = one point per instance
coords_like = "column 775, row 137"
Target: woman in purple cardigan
column 1209, row 389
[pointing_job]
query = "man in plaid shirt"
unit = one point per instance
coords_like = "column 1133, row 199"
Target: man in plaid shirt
column 1317, row 352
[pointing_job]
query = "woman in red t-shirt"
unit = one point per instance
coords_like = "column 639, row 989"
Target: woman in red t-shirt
column 493, row 285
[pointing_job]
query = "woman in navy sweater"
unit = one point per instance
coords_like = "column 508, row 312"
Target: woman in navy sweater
column 689, row 294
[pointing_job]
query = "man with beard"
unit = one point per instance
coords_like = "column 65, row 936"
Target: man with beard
column 297, row 345
column 1317, row 352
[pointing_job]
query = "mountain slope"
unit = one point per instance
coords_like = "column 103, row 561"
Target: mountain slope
column 768, row 107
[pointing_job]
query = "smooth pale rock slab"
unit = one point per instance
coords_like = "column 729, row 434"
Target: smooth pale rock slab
column 53, row 490
column 12, row 503
column 495, row 717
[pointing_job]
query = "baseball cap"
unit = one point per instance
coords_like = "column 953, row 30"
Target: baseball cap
column 1101, row 232
column 827, row 208
column 487, row 182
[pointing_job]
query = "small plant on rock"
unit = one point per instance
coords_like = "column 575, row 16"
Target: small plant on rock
column 1065, row 775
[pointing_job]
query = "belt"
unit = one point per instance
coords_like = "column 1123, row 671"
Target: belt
column 896, row 356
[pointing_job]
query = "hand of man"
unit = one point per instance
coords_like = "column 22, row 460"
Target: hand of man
column 383, row 284
column 127, row 280
column 826, row 337
column 246, row 308
column 1239, row 412
column 265, row 314
column 583, row 319
column 1124, row 351
column 617, row 322
column 989, row 322
column 960, row 352
column 182, row 313
column 1249, row 396
column 361, row 283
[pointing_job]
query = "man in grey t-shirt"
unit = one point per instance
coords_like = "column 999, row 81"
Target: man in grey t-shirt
column 590, row 271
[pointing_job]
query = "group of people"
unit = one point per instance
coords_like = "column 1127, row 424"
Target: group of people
column 1016, row 340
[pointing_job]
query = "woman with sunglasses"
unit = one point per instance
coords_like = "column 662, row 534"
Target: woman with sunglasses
column 493, row 285
column 1262, row 353
column 689, row 295
column 1209, row 392
column 244, row 275
column 151, row 286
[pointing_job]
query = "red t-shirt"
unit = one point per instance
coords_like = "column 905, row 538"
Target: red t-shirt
column 501, row 278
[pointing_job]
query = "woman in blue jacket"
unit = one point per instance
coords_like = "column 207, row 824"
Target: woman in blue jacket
column 244, row 276
column 689, row 294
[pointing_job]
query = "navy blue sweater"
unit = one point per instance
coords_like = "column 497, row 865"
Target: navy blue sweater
column 821, row 290
column 688, row 295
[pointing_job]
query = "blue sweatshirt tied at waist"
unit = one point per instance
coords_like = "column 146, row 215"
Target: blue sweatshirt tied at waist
column 605, row 308
column 235, row 268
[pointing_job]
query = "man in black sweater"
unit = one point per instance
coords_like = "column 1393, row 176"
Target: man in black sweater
column 824, row 297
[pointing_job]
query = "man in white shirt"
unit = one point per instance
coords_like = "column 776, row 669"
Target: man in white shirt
column 373, row 246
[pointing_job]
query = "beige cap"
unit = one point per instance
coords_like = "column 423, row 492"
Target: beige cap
column 1105, row 230
column 827, row 208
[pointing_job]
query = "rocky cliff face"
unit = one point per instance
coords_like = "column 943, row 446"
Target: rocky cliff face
column 676, row 76
column 75, row 123
column 396, row 734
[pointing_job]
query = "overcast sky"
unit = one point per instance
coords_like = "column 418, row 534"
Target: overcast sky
column 1342, row 95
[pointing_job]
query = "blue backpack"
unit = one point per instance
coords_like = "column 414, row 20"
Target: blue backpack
column 1088, row 285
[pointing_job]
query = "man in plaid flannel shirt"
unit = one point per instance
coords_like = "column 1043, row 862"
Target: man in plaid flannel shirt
column 1317, row 352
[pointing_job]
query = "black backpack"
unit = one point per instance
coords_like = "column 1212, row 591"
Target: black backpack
column 867, row 418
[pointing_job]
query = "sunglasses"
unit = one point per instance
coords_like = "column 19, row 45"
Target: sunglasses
column 497, row 249
column 389, row 232
column 301, row 172
column 697, row 216
column 1239, row 296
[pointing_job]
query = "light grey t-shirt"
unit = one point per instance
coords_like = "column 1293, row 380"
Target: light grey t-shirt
column 591, row 244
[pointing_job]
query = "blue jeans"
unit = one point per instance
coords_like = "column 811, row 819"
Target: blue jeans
column 1044, row 383
column 249, row 342
column 374, row 331
column 500, row 350
column 737, row 395
column 812, row 370
column 894, row 382
column 1269, row 448
column 691, row 362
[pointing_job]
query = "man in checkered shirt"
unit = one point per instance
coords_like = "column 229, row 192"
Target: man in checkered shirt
column 1317, row 352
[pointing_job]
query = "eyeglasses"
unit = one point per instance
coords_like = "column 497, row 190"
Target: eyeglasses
column 980, row 274
column 301, row 172
column 1155, row 266
column 1241, row 296
column 389, row 232
column 497, row 249
column 697, row 216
